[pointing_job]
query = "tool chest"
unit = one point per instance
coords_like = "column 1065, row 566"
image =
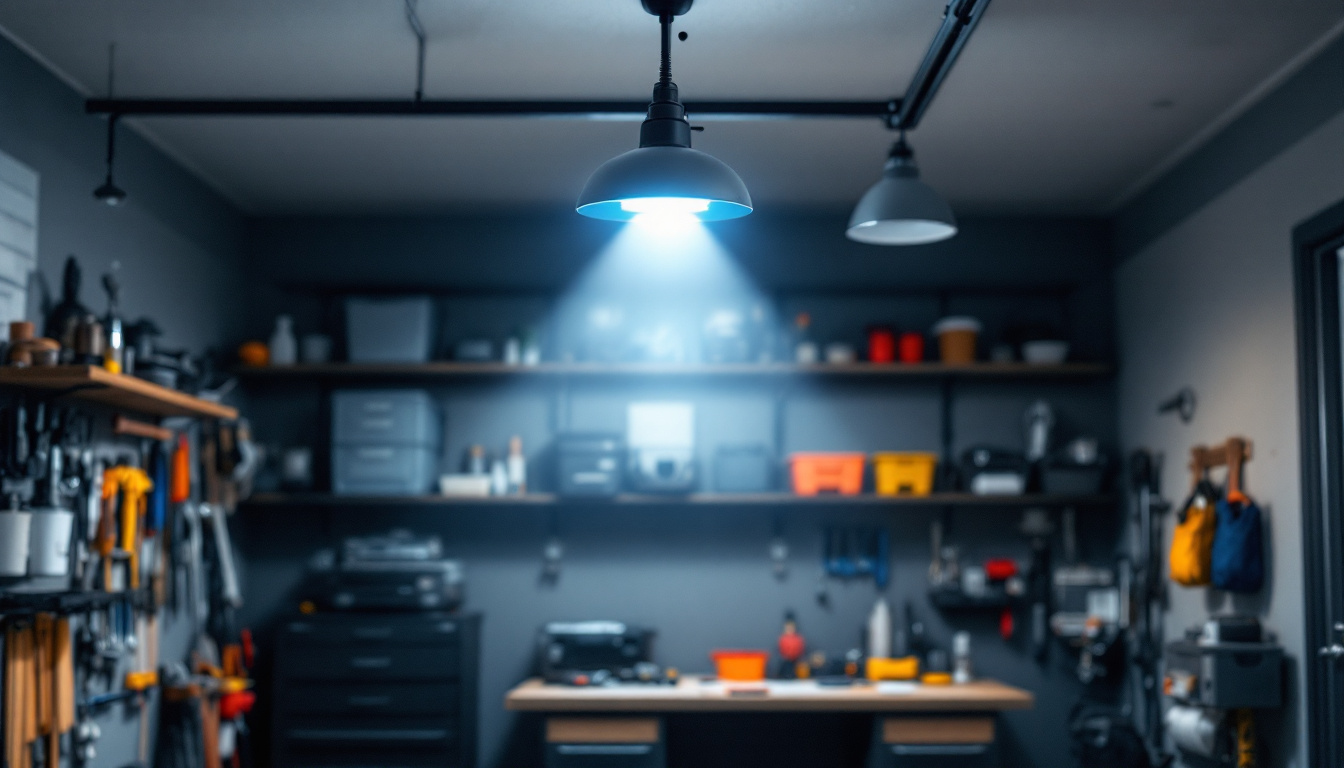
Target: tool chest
column 376, row 689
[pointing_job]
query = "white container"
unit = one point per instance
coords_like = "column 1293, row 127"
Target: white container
column 840, row 353
column 49, row 542
column 15, row 528
column 1045, row 352
column 284, row 347
column 961, row 658
column 472, row 486
column 879, row 630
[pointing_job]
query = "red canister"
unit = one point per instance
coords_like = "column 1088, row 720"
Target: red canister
column 912, row 347
column 881, row 345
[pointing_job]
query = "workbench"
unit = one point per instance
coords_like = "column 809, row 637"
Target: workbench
column 913, row 725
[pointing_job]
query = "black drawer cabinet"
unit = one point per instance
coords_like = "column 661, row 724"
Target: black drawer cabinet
column 376, row 691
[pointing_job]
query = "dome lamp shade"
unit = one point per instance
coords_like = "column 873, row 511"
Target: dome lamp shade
column 900, row 209
column 664, row 176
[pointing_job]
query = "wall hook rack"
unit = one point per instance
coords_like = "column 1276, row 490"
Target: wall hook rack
column 1182, row 403
column 1232, row 454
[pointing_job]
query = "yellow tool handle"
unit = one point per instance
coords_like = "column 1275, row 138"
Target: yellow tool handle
column 140, row 681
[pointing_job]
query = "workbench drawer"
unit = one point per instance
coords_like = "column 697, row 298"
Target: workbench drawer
column 605, row 756
column 941, row 756
column 356, row 732
column 962, row 741
column 335, row 663
column 340, row 755
column 372, row 629
column 370, row 698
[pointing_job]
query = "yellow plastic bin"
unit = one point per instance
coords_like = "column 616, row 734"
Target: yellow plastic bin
column 906, row 668
column 904, row 473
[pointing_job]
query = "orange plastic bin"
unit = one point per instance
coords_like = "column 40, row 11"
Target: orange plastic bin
column 741, row 666
column 816, row 473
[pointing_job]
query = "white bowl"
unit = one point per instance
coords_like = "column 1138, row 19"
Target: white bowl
column 1045, row 352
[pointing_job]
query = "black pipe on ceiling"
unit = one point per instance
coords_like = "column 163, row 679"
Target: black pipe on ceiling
column 544, row 109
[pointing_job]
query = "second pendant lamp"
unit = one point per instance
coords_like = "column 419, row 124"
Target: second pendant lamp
column 665, row 176
column 900, row 209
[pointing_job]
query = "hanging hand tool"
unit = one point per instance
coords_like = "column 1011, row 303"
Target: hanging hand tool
column 129, row 486
column 105, row 539
column 156, row 515
column 63, row 678
column 180, row 490
column 228, row 572
column 190, row 551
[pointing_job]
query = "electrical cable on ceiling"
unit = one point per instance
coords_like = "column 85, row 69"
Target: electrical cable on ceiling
column 413, row 18
column 108, row 192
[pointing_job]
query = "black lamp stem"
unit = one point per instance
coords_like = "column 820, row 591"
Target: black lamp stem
column 111, row 142
column 665, row 69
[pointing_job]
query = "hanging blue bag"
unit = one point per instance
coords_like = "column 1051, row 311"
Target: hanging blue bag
column 1238, row 546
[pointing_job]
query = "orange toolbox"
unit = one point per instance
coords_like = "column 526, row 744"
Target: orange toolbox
column 816, row 473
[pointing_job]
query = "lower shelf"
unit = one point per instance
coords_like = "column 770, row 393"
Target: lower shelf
column 325, row 500
column 16, row 602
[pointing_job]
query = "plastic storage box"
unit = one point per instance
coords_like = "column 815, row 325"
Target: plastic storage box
column 389, row 330
column 1225, row 675
column 744, row 666
column 589, row 464
column 904, row 474
column 1072, row 479
column 384, row 442
column 743, row 469
column 392, row 470
column 398, row 416
column 815, row 473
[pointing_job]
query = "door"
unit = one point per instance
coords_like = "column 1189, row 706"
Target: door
column 1319, row 257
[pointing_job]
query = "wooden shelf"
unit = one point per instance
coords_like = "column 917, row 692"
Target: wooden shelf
column 451, row 370
column 324, row 500
column 97, row 385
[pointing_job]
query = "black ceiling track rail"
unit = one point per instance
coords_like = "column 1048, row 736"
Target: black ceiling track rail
column 959, row 20
column 554, row 109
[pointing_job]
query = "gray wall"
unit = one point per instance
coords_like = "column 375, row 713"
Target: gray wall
column 1209, row 304
column 701, row 576
column 177, row 242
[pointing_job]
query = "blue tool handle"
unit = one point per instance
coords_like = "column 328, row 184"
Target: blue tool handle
column 158, row 497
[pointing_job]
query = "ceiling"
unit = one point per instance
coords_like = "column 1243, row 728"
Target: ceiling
column 1055, row 106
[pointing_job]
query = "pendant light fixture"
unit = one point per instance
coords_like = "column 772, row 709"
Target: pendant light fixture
column 900, row 209
column 664, row 176
column 108, row 192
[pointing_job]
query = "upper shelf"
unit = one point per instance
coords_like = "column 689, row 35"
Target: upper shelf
column 98, row 385
column 450, row 370
column 311, row 500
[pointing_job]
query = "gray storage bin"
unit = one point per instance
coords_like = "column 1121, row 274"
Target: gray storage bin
column 391, row 470
column 385, row 417
column 743, row 469
column 389, row 330
column 1230, row 675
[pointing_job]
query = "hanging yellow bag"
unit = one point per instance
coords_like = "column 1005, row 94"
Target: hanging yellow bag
column 1192, row 540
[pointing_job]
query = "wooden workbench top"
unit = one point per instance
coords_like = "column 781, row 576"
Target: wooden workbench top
column 692, row 694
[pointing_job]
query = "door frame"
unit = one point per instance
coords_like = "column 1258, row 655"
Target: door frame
column 1321, row 402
